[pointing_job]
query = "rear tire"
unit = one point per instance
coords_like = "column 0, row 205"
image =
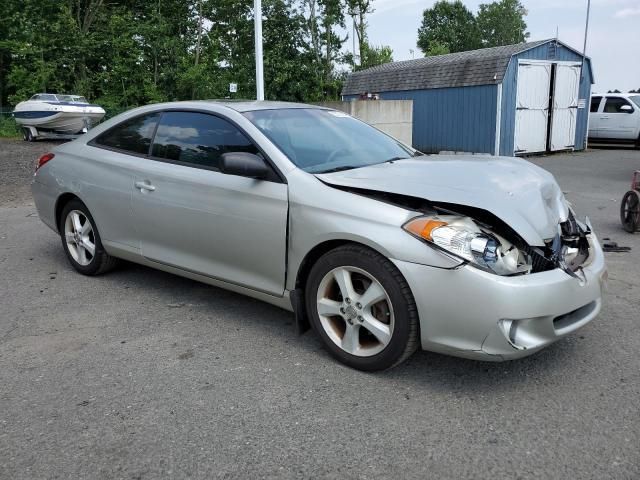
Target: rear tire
column 362, row 308
column 81, row 240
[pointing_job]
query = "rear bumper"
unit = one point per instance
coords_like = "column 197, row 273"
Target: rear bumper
column 470, row 313
column 45, row 199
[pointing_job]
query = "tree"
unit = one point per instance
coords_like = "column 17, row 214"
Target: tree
column 125, row 53
column 448, row 26
column 324, row 45
column 502, row 23
column 372, row 55
column 358, row 10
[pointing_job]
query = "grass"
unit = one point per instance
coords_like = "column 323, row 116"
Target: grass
column 8, row 128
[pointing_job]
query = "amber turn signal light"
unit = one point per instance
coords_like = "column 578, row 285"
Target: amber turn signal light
column 423, row 226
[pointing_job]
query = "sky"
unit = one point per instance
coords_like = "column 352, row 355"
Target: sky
column 613, row 42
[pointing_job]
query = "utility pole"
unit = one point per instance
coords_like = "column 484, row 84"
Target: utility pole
column 586, row 32
column 257, row 8
column 584, row 55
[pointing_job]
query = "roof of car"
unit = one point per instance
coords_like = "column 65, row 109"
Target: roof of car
column 251, row 105
column 614, row 94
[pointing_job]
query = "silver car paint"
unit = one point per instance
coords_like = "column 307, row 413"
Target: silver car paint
column 130, row 222
column 524, row 196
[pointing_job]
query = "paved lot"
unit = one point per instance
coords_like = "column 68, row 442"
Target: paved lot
column 139, row 374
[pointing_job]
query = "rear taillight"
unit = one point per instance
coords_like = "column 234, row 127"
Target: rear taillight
column 44, row 159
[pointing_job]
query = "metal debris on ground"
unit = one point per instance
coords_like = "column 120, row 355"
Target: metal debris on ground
column 614, row 247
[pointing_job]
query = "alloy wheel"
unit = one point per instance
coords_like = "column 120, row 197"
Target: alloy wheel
column 355, row 311
column 79, row 237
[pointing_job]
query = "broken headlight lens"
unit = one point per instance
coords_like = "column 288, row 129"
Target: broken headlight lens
column 462, row 237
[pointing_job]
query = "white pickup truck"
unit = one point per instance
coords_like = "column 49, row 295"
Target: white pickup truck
column 615, row 118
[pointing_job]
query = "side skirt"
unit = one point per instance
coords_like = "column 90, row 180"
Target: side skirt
column 126, row 253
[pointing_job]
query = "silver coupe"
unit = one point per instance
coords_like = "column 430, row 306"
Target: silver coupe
column 379, row 248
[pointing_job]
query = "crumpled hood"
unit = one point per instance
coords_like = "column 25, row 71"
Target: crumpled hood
column 521, row 194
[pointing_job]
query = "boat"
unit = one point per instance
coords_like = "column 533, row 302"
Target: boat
column 47, row 114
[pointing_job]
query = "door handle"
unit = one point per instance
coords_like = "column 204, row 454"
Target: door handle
column 144, row 186
column 604, row 118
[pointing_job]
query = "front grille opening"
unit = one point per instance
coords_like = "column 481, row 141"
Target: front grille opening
column 565, row 321
column 539, row 263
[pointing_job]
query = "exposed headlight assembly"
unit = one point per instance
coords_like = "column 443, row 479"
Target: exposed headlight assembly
column 462, row 237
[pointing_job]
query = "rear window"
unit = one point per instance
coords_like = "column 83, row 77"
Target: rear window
column 132, row 135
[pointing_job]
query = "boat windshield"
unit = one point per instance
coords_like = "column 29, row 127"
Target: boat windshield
column 45, row 97
column 79, row 99
column 65, row 98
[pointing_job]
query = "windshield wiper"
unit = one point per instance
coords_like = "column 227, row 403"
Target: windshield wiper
column 393, row 159
column 340, row 169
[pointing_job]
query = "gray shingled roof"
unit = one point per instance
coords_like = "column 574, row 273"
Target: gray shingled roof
column 476, row 67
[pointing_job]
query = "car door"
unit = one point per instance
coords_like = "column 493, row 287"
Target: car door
column 594, row 117
column 192, row 216
column 619, row 119
column 108, row 177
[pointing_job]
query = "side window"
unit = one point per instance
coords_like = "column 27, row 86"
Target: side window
column 614, row 104
column 132, row 135
column 595, row 103
column 198, row 139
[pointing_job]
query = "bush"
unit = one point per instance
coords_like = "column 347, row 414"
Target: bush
column 8, row 127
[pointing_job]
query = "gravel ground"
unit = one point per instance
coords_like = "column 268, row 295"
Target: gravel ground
column 17, row 161
column 140, row 374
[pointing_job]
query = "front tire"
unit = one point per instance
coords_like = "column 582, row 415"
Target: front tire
column 362, row 308
column 81, row 240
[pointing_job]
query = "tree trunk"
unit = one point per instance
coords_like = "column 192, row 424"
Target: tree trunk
column 199, row 39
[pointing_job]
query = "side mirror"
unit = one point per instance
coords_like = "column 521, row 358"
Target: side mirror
column 626, row 109
column 243, row 164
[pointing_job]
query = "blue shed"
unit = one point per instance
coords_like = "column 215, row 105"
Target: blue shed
column 510, row 100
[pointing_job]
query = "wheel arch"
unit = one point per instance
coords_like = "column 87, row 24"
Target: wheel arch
column 304, row 267
column 313, row 255
column 61, row 202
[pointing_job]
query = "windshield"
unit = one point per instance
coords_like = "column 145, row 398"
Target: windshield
column 47, row 97
column 635, row 99
column 319, row 141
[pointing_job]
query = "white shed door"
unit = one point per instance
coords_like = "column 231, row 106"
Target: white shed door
column 532, row 107
column 565, row 107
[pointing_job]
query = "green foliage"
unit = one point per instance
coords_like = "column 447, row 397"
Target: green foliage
column 370, row 55
column 437, row 48
column 124, row 53
column 450, row 26
column 502, row 23
column 8, row 127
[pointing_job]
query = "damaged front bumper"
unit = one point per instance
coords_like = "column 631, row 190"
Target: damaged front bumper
column 471, row 313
